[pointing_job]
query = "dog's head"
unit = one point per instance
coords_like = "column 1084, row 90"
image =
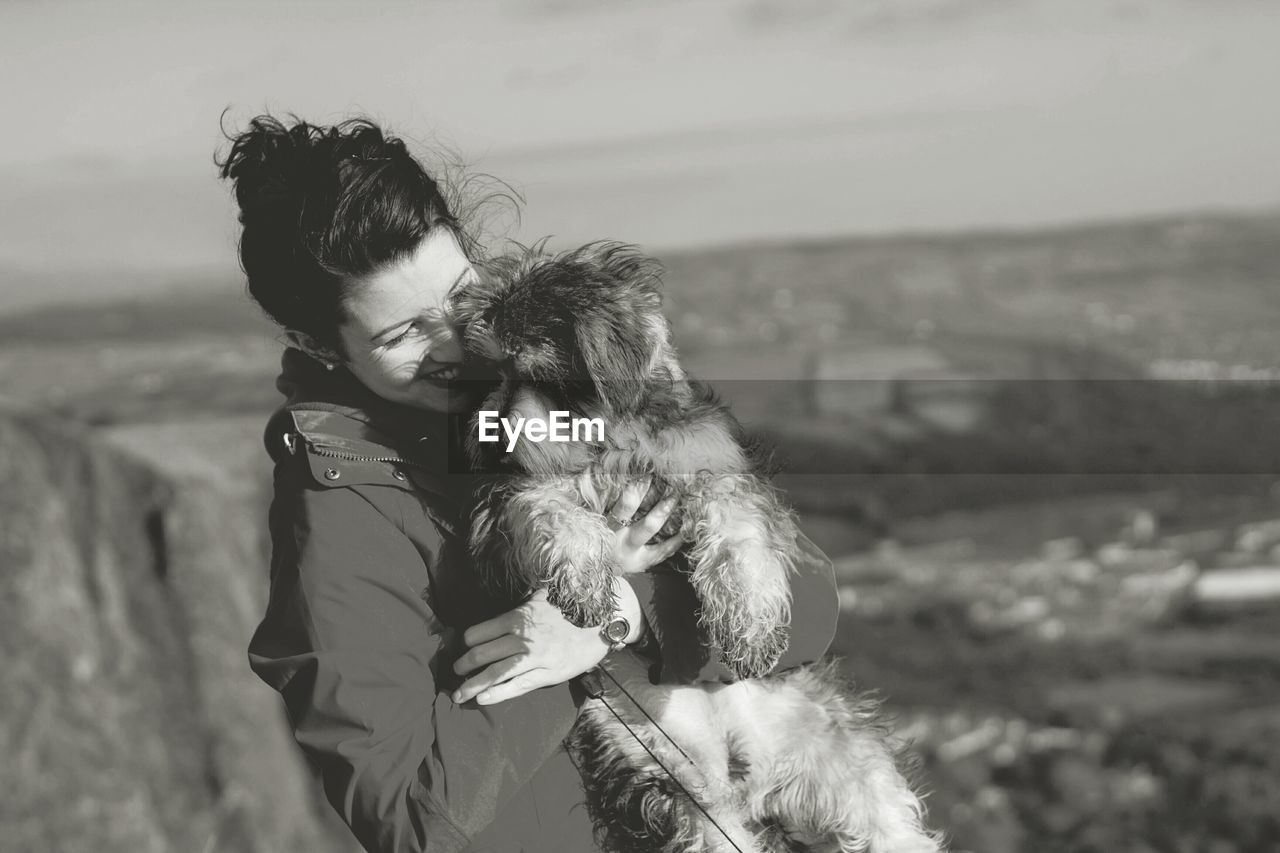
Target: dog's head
column 585, row 325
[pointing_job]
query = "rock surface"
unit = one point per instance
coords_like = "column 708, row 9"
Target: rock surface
column 133, row 574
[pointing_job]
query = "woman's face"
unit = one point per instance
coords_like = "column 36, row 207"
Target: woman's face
column 398, row 337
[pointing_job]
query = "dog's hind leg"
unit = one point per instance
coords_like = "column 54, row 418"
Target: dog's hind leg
column 631, row 803
column 834, row 779
column 637, row 807
column 872, row 811
column 723, row 832
column 743, row 551
column 557, row 543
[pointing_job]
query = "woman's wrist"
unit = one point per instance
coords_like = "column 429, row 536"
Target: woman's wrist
column 629, row 608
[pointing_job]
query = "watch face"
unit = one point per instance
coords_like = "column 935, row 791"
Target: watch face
column 617, row 630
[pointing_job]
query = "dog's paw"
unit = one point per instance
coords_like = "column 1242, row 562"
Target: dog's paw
column 753, row 657
column 595, row 608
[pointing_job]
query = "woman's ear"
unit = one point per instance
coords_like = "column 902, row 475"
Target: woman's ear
column 321, row 353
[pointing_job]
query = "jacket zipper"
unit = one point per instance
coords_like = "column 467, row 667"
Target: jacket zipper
column 319, row 450
column 353, row 457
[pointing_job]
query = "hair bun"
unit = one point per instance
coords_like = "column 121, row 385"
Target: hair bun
column 268, row 163
column 322, row 205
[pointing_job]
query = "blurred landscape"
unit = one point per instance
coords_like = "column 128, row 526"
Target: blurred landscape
column 999, row 280
column 1044, row 463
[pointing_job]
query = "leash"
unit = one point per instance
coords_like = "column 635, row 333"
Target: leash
column 669, row 738
column 595, row 690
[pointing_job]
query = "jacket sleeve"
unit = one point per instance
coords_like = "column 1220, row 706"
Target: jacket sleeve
column 348, row 642
column 683, row 651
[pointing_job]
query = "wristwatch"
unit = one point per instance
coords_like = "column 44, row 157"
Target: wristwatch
column 615, row 632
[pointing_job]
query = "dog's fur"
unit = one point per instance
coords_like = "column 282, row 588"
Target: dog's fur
column 785, row 762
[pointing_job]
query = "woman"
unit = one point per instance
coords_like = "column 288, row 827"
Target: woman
column 434, row 715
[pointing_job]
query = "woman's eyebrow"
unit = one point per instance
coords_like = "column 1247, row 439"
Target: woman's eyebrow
column 457, row 282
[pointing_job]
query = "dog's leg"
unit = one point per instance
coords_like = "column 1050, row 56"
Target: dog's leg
column 631, row 802
column 637, row 806
column 831, row 776
column 645, row 784
column 743, row 551
column 872, row 809
column 550, row 540
column 728, row 833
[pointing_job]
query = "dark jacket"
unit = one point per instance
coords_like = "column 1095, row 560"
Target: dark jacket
column 370, row 591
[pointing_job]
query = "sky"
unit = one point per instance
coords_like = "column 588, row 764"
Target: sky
column 670, row 124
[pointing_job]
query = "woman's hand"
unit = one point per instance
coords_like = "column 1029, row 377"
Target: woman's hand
column 534, row 646
column 632, row 551
column 530, row 647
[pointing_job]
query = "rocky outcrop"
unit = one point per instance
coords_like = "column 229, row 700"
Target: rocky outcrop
column 132, row 574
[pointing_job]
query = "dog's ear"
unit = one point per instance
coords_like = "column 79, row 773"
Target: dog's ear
column 615, row 354
column 615, row 341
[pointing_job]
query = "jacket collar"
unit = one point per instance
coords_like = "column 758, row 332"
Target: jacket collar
column 336, row 409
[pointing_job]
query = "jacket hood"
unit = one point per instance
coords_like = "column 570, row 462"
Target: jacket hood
column 338, row 405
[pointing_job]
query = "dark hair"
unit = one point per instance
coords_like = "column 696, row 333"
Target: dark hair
column 321, row 205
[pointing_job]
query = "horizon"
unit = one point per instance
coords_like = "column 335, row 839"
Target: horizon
column 934, row 117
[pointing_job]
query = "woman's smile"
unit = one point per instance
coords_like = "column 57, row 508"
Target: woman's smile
column 440, row 376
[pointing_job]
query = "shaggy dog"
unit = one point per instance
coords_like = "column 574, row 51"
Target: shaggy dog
column 794, row 761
